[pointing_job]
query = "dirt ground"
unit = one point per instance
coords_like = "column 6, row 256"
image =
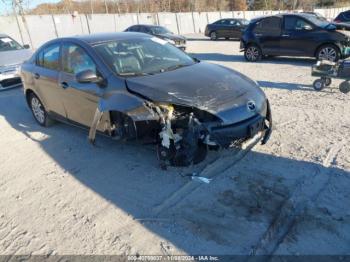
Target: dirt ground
column 60, row 195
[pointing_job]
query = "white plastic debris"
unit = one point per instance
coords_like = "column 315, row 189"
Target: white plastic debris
column 197, row 178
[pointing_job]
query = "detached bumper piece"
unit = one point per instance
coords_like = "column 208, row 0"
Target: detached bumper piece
column 226, row 136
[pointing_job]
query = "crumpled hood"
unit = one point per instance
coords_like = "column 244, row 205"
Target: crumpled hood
column 172, row 37
column 213, row 88
column 14, row 57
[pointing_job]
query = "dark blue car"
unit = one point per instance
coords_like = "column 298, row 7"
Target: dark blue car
column 294, row 35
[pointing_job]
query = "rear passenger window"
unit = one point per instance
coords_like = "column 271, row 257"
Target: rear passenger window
column 270, row 26
column 49, row 57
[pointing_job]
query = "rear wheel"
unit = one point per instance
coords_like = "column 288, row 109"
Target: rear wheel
column 252, row 53
column 39, row 111
column 328, row 52
column 213, row 36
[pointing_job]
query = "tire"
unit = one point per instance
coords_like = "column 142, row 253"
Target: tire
column 327, row 81
column 328, row 52
column 213, row 36
column 344, row 87
column 227, row 38
column 252, row 53
column 318, row 84
column 38, row 110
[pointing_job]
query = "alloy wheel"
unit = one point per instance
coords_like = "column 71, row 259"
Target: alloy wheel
column 252, row 53
column 328, row 53
column 38, row 110
column 213, row 36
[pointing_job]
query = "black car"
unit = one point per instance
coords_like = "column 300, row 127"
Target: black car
column 294, row 35
column 338, row 24
column 161, row 32
column 343, row 17
column 226, row 28
column 133, row 86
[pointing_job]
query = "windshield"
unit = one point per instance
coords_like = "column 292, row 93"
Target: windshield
column 321, row 22
column 8, row 44
column 143, row 56
column 159, row 30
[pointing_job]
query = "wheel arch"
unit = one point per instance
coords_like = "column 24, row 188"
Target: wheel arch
column 327, row 43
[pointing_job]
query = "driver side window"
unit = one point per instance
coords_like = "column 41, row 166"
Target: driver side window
column 295, row 23
column 76, row 60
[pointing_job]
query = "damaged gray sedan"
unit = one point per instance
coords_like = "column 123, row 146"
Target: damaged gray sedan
column 135, row 86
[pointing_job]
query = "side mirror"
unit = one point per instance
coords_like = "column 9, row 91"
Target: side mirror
column 88, row 76
column 307, row 27
column 26, row 46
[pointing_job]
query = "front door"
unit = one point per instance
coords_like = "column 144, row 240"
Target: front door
column 299, row 38
column 80, row 99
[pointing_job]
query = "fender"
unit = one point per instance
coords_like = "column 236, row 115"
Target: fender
column 134, row 107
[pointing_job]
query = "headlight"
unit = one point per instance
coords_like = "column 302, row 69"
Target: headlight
column 170, row 41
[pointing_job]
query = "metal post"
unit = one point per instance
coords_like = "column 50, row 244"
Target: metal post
column 19, row 27
column 194, row 26
column 54, row 25
column 177, row 24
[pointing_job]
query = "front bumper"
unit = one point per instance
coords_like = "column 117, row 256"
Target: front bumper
column 10, row 80
column 225, row 136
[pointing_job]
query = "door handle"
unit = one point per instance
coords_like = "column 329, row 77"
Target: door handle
column 36, row 76
column 258, row 35
column 285, row 35
column 64, row 85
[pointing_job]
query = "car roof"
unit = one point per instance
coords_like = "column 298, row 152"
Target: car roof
column 106, row 37
column 3, row 35
column 148, row 25
column 304, row 15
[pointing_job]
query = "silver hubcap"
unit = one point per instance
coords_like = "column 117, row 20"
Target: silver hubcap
column 38, row 110
column 252, row 53
column 213, row 35
column 318, row 85
column 328, row 53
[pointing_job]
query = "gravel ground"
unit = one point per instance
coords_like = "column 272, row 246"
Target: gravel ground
column 60, row 195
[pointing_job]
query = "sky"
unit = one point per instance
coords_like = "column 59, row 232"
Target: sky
column 5, row 5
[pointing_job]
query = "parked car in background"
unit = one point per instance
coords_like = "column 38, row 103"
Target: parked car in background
column 135, row 86
column 294, row 35
column 343, row 17
column 226, row 28
column 159, row 31
column 12, row 55
column 339, row 25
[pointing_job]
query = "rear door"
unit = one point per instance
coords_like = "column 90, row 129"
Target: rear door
column 299, row 36
column 45, row 75
column 235, row 28
column 80, row 99
column 267, row 33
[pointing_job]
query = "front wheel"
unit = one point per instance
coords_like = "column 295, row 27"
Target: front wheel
column 328, row 52
column 39, row 111
column 252, row 53
column 318, row 84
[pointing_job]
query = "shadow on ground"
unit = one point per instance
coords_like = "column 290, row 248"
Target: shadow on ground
column 228, row 216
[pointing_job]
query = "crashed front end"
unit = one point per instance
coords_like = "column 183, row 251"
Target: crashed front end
column 187, row 133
